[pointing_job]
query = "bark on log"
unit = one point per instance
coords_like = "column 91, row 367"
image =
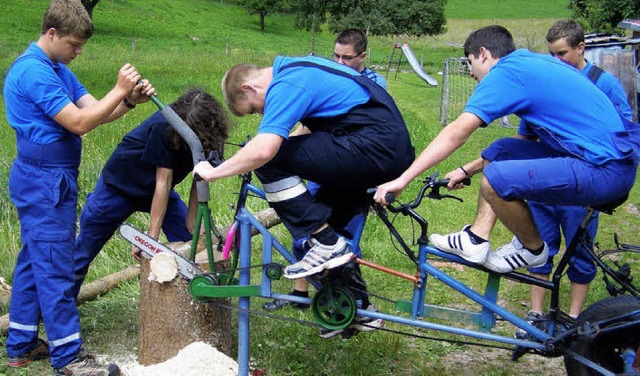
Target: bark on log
column 170, row 319
column 91, row 290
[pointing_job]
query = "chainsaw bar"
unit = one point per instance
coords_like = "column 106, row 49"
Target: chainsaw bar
column 150, row 247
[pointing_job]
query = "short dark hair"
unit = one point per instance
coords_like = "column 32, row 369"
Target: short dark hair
column 569, row 29
column 495, row 38
column 353, row 37
column 205, row 116
column 68, row 17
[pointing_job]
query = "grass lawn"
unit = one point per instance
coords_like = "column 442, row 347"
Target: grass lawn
column 180, row 43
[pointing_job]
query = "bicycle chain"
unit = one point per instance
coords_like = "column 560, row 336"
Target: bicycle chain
column 319, row 326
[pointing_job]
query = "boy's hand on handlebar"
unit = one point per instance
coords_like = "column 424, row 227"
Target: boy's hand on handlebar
column 204, row 170
column 395, row 187
column 456, row 178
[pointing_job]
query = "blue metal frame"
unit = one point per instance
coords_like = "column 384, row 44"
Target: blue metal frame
column 485, row 319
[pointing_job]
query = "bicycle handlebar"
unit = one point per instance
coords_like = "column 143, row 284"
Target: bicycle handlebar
column 430, row 188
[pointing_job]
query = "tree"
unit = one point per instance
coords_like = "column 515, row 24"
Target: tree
column 310, row 17
column 604, row 15
column 388, row 17
column 89, row 5
column 263, row 8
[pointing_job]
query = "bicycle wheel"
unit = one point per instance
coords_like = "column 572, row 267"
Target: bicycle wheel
column 605, row 348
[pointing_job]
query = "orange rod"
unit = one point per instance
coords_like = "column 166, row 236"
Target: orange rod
column 370, row 264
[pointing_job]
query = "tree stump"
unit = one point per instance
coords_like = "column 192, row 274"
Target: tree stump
column 170, row 319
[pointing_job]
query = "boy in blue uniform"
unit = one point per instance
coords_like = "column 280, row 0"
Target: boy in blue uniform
column 565, row 40
column 356, row 138
column 140, row 176
column 581, row 139
column 49, row 110
column 350, row 49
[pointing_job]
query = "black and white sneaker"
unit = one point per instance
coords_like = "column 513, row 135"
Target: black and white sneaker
column 320, row 257
column 460, row 243
column 359, row 324
column 514, row 256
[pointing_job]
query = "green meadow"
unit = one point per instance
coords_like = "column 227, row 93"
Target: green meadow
column 182, row 43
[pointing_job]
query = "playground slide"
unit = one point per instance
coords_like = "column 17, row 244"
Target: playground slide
column 411, row 58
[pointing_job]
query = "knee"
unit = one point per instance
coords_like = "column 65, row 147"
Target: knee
column 486, row 190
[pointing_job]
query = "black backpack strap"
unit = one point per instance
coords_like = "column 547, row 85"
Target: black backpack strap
column 595, row 73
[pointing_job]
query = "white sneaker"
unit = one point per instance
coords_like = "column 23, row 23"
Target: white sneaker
column 459, row 243
column 367, row 324
column 319, row 258
column 513, row 256
column 359, row 324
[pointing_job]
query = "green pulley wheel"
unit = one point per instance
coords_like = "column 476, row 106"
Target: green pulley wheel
column 200, row 281
column 334, row 307
column 273, row 271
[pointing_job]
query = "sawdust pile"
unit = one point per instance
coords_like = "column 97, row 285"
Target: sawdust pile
column 197, row 359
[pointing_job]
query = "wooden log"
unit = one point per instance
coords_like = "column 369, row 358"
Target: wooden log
column 91, row 290
column 170, row 319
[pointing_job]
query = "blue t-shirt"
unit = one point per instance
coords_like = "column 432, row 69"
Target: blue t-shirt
column 375, row 77
column 610, row 85
column 299, row 92
column 131, row 169
column 561, row 106
column 35, row 90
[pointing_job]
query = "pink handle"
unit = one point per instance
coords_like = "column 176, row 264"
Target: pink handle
column 229, row 240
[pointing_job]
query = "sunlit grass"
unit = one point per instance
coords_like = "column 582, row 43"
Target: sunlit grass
column 181, row 43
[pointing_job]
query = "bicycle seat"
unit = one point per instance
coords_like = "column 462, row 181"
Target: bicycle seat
column 610, row 207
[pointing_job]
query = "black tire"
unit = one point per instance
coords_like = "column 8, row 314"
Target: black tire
column 604, row 349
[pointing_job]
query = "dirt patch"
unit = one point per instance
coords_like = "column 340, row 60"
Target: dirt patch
column 478, row 360
column 632, row 209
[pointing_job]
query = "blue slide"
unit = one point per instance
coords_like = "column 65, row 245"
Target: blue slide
column 411, row 58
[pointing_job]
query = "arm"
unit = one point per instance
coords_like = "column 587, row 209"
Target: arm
column 164, row 177
column 446, row 142
column 256, row 153
column 89, row 113
column 471, row 168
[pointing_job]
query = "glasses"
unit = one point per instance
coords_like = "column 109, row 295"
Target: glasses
column 337, row 57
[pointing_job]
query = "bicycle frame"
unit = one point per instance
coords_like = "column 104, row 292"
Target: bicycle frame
column 417, row 310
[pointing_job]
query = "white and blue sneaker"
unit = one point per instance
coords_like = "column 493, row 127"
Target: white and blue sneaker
column 459, row 243
column 359, row 324
column 514, row 255
column 320, row 257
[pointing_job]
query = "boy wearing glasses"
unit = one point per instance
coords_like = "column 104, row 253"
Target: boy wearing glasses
column 350, row 49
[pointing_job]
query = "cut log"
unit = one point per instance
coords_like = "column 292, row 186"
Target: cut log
column 91, row 290
column 164, row 267
column 170, row 319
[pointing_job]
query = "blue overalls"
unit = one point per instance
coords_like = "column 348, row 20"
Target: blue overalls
column 106, row 209
column 43, row 187
column 345, row 154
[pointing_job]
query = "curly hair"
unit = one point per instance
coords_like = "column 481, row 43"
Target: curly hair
column 205, row 116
